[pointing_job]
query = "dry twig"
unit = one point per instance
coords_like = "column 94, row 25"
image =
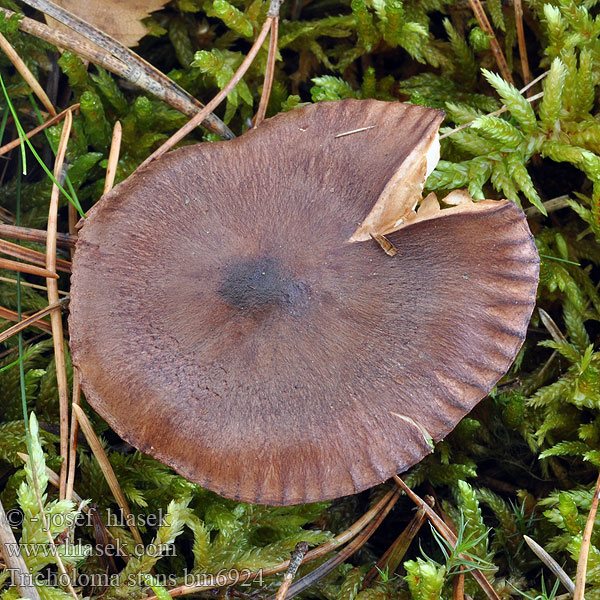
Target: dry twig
column 107, row 470
column 296, row 560
column 36, row 235
column 448, row 535
column 116, row 58
column 27, row 75
column 269, row 73
column 33, row 256
column 494, row 45
column 586, row 542
column 521, row 39
column 11, row 315
column 56, row 316
column 195, row 121
column 113, row 157
column 31, row 320
column 13, row 265
column 313, row 554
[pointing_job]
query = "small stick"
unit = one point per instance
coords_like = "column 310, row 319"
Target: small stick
column 458, row 585
column 521, row 39
column 33, row 256
column 109, row 474
column 4, row 335
column 339, row 135
column 296, row 560
column 13, row 560
column 76, row 395
column 586, row 541
column 269, row 73
column 550, row 563
column 56, row 316
column 113, row 158
column 313, row 554
column 34, row 286
column 117, row 58
column 36, row 235
column 494, row 45
column 11, row 315
column 74, row 432
column 59, row 117
column 342, row 555
column 395, row 553
column 27, row 75
column 13, row 265
column 448, row 535
column 196, row 120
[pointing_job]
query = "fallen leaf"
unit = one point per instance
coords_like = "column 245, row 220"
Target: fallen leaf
column 120, row 19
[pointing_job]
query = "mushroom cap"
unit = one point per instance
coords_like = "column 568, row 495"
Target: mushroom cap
column 222, row 321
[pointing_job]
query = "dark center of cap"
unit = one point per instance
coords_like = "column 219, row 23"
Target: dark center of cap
column 258, row 283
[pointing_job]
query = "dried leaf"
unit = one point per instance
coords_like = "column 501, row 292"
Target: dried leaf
column 120, row 19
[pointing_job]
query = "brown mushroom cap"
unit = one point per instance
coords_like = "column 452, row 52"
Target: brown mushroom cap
column 222, row 321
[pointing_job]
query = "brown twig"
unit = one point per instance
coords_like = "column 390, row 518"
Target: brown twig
column 31, row 320
column 269, row 73
column 494, row 45
column 56, row 316
column 26, row 74
column 522, row 44
column 73, row 433
column 343, row 554
column 33, row 256
column 458, row 585
column 36, row 235
column 296, row 560
column 313, row 554
column 393, row 556
column 113, row 158
column 107, row 470
column 13, row 560
column 33, row 286
column 448, row 535
column 13, row 265
column 586, row 542
column 195, row 121
column 117, row 58
column 11, row 315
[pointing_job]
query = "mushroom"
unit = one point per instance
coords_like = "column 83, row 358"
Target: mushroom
column 232, row 317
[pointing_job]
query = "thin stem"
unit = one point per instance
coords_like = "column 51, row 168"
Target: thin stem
column 113, row 158
column 586, row 542
column 195, row 121
column 27, row 75
column 521, row 39
column 36, row 235
column 269, row 73
column 56, row 316
column 116, row 58
column 494, row 45
column 107, row 470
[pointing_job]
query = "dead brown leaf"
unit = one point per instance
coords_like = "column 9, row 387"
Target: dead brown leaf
column 120, row 19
